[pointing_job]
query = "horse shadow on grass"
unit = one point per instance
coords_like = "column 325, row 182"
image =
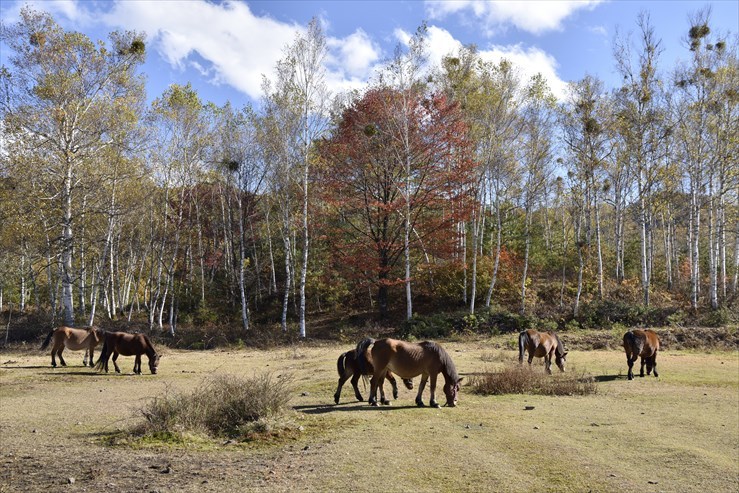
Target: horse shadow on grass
column 608, row 378
column 349, row 407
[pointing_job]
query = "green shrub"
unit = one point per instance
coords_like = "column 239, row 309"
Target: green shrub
column 716, row 318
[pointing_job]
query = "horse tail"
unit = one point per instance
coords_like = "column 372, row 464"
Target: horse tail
column 47, row 340
column 633, row 345
column 104, row 355
column 523, row 338
column 341, row 364
column 362, row 348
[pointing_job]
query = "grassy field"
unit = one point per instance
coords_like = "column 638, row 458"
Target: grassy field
column 676, row 433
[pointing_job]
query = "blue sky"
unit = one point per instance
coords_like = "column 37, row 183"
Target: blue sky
column 224, row 48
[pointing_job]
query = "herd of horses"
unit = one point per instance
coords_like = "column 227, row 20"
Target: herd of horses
column 378, row 360
column 383, row 359
column 114, row 344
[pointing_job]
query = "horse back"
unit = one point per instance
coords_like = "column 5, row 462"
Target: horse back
column 127, row 344
column 405, row 359
column 641, row 343
column 347, row 364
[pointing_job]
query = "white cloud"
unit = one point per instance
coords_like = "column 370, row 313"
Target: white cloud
column 239, row 45
column 599, row 30
column 70, row 9
column 354, row 55
column 536, row 16
column 528, row 61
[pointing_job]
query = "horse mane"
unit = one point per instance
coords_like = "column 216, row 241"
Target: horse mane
column 560, row 346
column 150, row 351
column 447, row 365
column 362, row 347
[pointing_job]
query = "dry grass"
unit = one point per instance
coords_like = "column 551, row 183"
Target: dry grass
column 221, row 406
column 680, row 430
column 519, row 379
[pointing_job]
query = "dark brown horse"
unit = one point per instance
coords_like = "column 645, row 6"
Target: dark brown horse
column 74, row 339
column 408, row 360
column 127, row 345
column 642, row 344
column 347, row 367
column 542, row 344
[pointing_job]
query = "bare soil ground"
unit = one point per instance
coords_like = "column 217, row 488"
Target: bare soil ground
column 676, row 433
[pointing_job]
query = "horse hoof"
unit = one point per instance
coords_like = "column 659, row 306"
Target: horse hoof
column 434, row 404
column 373, row 404
column 420, row 403
column 385, row 402
column 336, row 399
column 395, row 395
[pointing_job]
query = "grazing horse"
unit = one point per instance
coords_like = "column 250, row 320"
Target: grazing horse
column 347, row 367
column 642, row 344
column 408, row 360
column 542, row 344
column 128, row 345
column 74, row 339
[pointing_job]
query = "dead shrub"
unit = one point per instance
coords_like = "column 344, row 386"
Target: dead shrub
column 520, row 379
column 221, row 406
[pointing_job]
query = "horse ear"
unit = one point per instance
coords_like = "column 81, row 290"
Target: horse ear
column 460, row 379
column 564, row 354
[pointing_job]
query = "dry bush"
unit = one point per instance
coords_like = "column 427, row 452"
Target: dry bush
column 520, row 379
column 222, row 406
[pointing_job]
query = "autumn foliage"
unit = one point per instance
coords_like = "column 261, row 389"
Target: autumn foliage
column 371, row 179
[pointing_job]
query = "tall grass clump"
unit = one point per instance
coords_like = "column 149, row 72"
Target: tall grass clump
column 520, row 379
column 221, row 406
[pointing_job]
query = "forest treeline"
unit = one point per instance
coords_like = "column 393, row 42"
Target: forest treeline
column 459, row 187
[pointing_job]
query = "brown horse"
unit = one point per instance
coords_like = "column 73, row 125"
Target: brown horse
column 74, row 339
column 642, row 344
column 408, row 360
column 542, row 344
column 128, row 345
column 347, row 367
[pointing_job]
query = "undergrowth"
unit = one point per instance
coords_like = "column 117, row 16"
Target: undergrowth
column 520, row 379
column 222, row 406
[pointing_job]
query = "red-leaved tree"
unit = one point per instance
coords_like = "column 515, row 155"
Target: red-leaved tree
column 363, row 183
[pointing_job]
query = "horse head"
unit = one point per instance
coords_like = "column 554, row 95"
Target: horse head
column 154, row 363
column 561, row 361
column 451, row 390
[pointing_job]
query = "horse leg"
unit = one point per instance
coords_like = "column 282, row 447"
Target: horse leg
column 92, row 357
column 381, row 383
column 654, row 364
column 115, row 365
column 61, row 359
column 630, row 362
column 548, row 363
column 641, row 372
column 390, row 378
column 432, row 382
column 372, row 401
column 531, row 357
column 137, row 365
column 419, row 400
column 342, row 381
column 53, row 356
